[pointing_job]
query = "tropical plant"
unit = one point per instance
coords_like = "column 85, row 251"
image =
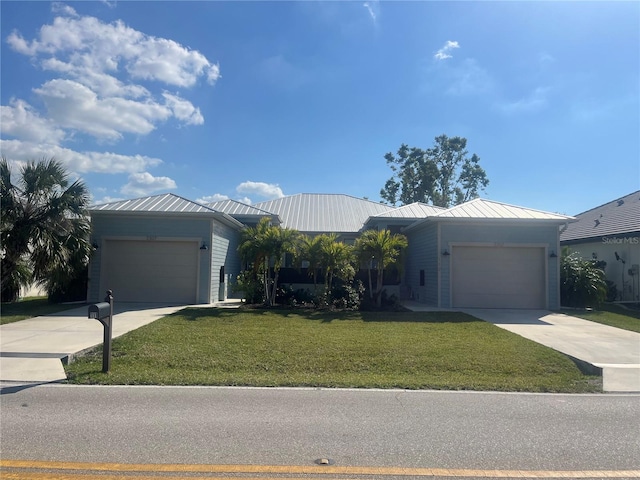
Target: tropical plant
column 582, row 282
column 264, row 248
column 44, row 227
column 382, row 249
column 309, row 250
column 336, row 260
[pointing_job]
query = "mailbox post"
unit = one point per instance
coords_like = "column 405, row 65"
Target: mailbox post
column 103, row 312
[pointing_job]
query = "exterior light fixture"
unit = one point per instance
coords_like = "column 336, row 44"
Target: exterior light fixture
column 204, row 246
column 95, row 246
column 553, row 255
column 446, row 253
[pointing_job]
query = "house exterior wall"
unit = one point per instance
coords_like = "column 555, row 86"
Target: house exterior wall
column 137, row 227
column 604, row 249
column 545, row 236
column 422, row 254
column 224, row 252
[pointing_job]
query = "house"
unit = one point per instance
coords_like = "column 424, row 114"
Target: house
column 610, row 233
column 478, row 254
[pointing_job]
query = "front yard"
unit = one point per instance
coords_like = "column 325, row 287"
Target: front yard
column 348, row 349
column 612, row 315
column 28, row 308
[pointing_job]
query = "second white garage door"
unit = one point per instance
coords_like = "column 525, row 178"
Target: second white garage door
column 498, row 277
column 151, row 271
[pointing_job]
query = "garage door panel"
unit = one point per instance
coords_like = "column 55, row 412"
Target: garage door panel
column 498, row 277
column 152, row 271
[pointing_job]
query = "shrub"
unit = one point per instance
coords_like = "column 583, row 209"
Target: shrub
column 582, row 283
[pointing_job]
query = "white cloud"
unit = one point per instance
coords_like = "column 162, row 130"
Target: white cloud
column 535, row 101
column 373, row 8
column 20, row 120
column 216, row 197
column 268, row 191
column 97, row 70
column 81, row 162
column 144, row 183
column 74, row 106
column 445, row 51
column 245, row 200
column 183, row 109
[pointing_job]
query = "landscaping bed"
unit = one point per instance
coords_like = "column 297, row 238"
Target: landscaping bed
column 412, row 350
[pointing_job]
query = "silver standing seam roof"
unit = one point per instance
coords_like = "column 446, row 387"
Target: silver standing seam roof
column 413, row 210
column 618, row 217
column 233, row 207
column 481, row 208
column 321, row 212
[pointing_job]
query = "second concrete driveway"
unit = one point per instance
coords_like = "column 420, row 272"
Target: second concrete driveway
column 615, row 351
column 32, row 350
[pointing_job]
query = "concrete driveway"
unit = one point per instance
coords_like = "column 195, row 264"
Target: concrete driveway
column 33, row 350
column 612, row 351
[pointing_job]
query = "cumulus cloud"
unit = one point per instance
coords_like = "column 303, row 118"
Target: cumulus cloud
column 267, row 191
column 105, row 81
column 144, row 183
column 216, row 197
column 445, row 51
column 81, row 162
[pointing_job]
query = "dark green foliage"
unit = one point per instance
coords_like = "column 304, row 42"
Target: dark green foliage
column 45, row 227
column 582, row 283
column 443, row 175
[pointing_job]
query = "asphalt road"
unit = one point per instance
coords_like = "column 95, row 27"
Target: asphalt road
column 211, row 425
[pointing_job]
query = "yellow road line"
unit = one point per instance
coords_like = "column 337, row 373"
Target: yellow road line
column 297, row 470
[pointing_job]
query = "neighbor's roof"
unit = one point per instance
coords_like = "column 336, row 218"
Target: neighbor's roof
column 481, row 208
column 413, row 210
column 618, row 217
column 318, row 212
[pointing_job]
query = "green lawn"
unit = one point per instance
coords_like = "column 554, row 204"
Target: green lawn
column 28, row 308
column 361, row 349
column 613, row 315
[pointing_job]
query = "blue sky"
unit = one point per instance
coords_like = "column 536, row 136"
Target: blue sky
column 255, row 100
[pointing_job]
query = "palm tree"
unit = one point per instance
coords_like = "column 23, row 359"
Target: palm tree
column 309, row 251
column 265, row 246
column 44, row 228
column 383, row 248
column 336, row 260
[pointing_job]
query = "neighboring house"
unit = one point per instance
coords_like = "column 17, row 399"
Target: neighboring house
column 610, row 233
column 478, row 254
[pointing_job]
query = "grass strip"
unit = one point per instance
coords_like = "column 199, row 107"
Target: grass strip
column 412, row 350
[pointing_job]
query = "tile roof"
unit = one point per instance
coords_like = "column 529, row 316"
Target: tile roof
column 620, row 216
column 480, row 208
column 164, row 203
column 413, row 210
column 317, row 212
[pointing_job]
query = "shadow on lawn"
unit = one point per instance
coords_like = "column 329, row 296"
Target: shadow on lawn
column 196, row 314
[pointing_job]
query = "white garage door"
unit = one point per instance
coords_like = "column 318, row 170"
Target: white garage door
column 151, row 271
column 498, row 277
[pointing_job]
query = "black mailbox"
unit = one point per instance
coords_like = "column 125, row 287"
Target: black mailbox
column 100, row 311
column 103, row 312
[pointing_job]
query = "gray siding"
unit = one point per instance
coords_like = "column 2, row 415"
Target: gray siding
column 423, row 255
column 224, row 246
column 149, row 228
column 544, row 235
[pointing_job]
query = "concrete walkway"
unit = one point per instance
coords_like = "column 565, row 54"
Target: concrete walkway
column 614, row 351
column 33, row 350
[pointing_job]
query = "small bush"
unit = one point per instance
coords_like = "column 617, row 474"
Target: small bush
column 582, row 283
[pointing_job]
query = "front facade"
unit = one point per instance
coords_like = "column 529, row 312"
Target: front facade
column 610, row 234
column 481, row 254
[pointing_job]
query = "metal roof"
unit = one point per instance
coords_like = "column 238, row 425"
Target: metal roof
column 318, row 212
column 233, row 207
column 164, row 203
column 480, row 208
column 413, row 210
column 618, row 217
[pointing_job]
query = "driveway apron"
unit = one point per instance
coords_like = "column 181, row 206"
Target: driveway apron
column 33, row 350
